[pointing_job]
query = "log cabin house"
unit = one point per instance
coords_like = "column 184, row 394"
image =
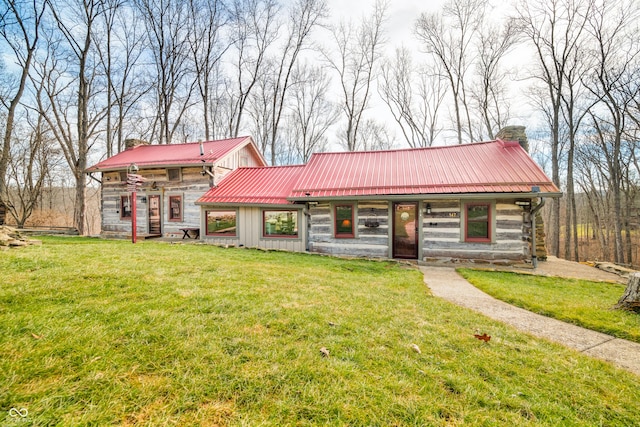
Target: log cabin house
column 454, row 203
column 175, row 176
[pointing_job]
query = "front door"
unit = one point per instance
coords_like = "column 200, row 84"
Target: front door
column 154, row 214
column 405, row 230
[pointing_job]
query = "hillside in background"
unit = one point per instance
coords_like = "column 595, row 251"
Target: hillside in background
column 55, row 209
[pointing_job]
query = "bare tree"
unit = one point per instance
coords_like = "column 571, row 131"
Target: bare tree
column 120, row 47
column 575, row 107
column 304, row 16
column 616, row 54
column 555, row 28
column 206, row 21
column 489, row 94
column 70, row 84
column 166, row 22
column 20, row 27
column 414, row 98
column 28, row 168
column 375, row 136
column 110, row 10
column 220, row 105
column 254, row 29
column 269, row 99
column 449, row 37
column 357, row 51
column 592, row 180
column 311, row 113
column 260, row 109
column 6, row 83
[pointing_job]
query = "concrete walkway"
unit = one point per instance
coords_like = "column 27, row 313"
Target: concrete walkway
column 445, row 283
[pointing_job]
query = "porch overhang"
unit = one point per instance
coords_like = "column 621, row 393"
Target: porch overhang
column 429, row 196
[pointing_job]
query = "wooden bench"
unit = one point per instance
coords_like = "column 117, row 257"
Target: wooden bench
column 196, row 232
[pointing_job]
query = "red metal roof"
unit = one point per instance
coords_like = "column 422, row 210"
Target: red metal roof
column 486, row 167
column 264, row 185
column 172, row 154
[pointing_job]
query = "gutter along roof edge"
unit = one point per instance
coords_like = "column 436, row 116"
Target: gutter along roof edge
column 430, row 196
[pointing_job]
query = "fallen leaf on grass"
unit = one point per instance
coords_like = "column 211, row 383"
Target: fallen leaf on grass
column 36, row 336
column 416, row 348
column 324, row 352
column 484, row 337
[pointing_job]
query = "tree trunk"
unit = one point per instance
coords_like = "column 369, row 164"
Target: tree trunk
column 80, row 205
column 631, row 298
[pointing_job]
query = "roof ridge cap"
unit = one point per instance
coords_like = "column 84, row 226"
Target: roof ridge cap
column 394, row 150
column 213, row 140
column 271, row 167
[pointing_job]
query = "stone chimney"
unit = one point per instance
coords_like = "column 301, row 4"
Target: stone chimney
column 514, row 133
column 132, row 143
column 517, row 133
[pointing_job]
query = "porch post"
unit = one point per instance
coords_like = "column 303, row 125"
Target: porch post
column 133, row 181
column 134, row 232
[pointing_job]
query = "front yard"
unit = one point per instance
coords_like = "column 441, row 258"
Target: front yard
column 581, row 302
column 105, row 332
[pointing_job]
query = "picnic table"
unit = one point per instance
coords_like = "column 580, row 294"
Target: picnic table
column 196, row 232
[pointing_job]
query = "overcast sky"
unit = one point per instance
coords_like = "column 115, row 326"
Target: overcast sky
column 401, row 16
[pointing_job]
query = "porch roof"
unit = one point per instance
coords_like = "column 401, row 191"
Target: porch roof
column 257, row 185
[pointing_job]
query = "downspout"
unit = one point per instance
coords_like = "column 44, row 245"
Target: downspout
column 534, row 211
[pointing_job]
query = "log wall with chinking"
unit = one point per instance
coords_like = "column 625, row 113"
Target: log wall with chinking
column 443, row 237
column 191, row 186
column 369, row 240
column 442, row 232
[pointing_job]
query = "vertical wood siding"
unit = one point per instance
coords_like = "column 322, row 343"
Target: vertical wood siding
column 234, row 160
column 249, row 230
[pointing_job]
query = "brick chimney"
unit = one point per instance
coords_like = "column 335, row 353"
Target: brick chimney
column 132, row 143
column 514, row 133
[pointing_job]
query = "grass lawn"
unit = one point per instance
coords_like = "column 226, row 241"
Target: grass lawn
column 581, row 302
column 108, row 333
